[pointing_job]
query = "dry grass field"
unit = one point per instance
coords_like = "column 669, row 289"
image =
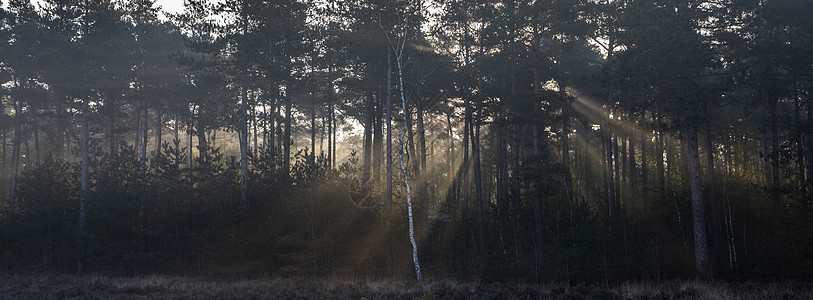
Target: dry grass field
column 164, row 287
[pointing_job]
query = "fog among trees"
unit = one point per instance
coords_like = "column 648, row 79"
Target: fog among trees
column 557, row 140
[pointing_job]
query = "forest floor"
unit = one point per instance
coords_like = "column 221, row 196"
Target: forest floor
column 167, row 287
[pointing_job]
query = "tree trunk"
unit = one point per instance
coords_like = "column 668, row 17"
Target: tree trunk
column 142, row 152
column 566, row 158
column 774, row 154
column 243, row 205
column 612, row 200
column 809, row 133
column 466, row 125
column 35, row 122
column 644, row 170
column 538, row 211
column 727, row 211
column 659, row 158
column 189, row 130
column 333, row 135
column 423, row 195
column 422, row 139
column 112, row 126
column 85, row 165
column 502, row 161
column 378, row 139
column 403, row 167
column 478, row 185
column 3, row 144
column 286, row 143
column 388, row 108
column 313, row 124
column 713, row 211
column 159, row 126
column 451, row 142
column 416, row 167
column 368, row 137
column 516, row 203
column 605, row 171
column 624, row 175
column 616, row 173
column 254, row 130
column 271, row 137
column 203, row 143
column 631, row 144
column 15, row 151
column 698, row 213
column 800, row 151
column 137, row 139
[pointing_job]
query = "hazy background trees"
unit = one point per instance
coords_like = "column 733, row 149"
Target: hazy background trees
column 567, row 139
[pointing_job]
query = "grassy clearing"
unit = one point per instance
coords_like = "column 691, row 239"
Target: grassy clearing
column 162, row 287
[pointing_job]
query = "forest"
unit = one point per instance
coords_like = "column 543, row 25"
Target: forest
column 471, row 140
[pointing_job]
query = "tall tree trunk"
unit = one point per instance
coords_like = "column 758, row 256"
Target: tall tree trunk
column 605, row 171
column 322, row 136
column 466, row 163
column 422, row 140
column 566, row 158
column 333, row 126
column 329, row 124
column 159, row 126
column 616, row 173
column 271, row 136
column 451, row 142
column 644, row 168
column 612, row 200
column 142, row 151
column 502, row 161
column 85, row 165
column 254, row 129
column 698, row 213
column 659, row 157
column 137, row 139
column 280, row 130
column 516, row 203
column 403, row 167
column 286, row 142
column 190, row 133
column 368, row 137
column 800, row 151
column 713, row 211
column 243, row 205
column 622, row 151
column 631, row 144
column 423, row 194
column 478, row 182
column 15, row 151
column 809, row 147
column 388, row 108
column 313, row 124
column 203, row 143
column 539, row 238
column 112, row 126
column 416, row 167
column 35, row 122
column 3, row 144
column 378, row 139
column 727, row 211
column 774, row 154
